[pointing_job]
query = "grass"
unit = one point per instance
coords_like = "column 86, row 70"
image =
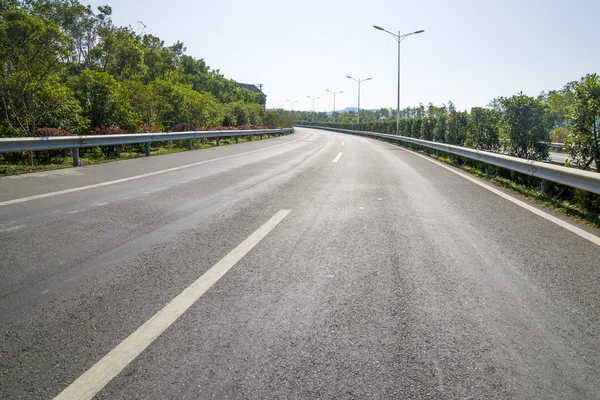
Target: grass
column 13, row 165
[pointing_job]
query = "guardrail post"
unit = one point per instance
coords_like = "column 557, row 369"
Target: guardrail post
column 237, row 139
column 218, row 141
column 546, row 186
column 189, row 144
column 249, row 138
column 147, row 148
column 75, row 151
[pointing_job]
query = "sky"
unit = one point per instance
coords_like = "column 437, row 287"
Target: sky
column 470, row 53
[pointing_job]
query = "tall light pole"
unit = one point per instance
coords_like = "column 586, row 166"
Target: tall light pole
column 358, row 81
column 334, row 93
column 399, row 38
column 313, row 99
column 292, row 103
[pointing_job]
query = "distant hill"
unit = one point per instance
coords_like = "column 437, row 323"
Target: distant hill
column 348, row 109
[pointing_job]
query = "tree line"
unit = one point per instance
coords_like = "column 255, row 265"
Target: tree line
column 519, row 125
column 66, row 68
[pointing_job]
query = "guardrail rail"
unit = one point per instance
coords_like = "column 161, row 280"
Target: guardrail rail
column 75, row 142
column 585, row 180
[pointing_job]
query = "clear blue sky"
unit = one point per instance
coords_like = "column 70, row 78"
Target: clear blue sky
column 471, row 51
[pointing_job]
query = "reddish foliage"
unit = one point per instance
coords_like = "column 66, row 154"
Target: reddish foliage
column 50, row 132
column 107, row 130
column 184, row 127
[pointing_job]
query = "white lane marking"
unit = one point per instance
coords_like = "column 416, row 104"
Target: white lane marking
column 337, row 157
column 12, row 228
column 73, row 212
column 362, row 208
column 380, row 199
column 132, row 178
column 95, row 378
column 570, row 227
column 45, row 291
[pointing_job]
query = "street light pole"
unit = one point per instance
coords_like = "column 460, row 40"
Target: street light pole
column 334, row 93
column 313, row 99
column 399, row 38
column 292, row 103
column 358, row 81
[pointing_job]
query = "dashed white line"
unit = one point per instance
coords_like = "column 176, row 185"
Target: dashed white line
column 12, row 228
column 95, row 378
column 337, row 157
column 342, row 143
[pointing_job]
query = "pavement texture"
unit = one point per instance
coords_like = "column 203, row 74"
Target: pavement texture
column 391, row 277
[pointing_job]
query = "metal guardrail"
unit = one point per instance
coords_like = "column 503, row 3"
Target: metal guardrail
column 557, row 147
column 586, row 180
column 9, row 145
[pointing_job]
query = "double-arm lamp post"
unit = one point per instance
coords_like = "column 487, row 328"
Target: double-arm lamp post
column 399, row 38
column 292, row 103
column 333, row 93
column 313, row 99
column 358, row 81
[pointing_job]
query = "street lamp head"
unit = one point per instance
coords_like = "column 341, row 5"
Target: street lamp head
column 378, row 28
column 348, row 76
column 421, row 31
column 368, row 79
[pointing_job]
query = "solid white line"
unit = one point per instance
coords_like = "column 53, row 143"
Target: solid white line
column 564, row 224
column 132, row 178
column 95, row 378
column 338, row 157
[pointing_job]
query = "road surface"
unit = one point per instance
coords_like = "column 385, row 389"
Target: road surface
column 559, row 158
column 314, row 265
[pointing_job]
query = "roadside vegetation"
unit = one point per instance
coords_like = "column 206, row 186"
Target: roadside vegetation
column 67, row 69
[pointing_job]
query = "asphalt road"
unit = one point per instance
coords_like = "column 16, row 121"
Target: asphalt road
column 387, row 277
column 559, row 158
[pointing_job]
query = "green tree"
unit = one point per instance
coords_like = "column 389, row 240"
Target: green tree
column 416, row 127
column 525, row 127
column 98, row 95
column 456, row 127
column 31, row 92
column 482, row 129
column 120, row 54
column 583, row 144
column 427, row 125
column 439, row 130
